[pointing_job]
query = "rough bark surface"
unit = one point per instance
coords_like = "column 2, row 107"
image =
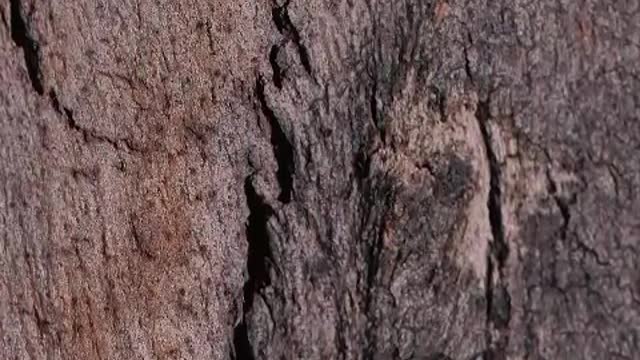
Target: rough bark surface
column 351, row 179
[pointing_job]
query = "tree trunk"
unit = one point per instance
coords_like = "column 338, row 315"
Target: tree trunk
column 352, row 179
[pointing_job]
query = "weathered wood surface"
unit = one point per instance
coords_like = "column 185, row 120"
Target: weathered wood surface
column 352, row 179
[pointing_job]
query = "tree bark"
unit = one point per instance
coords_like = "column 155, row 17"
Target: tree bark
column 353, row 179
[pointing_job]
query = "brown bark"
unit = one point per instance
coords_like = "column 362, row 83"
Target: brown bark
column 355, row 179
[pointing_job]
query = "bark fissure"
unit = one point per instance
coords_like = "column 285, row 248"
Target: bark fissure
column 373, row 260
column 382, row 196
column 241, row 344
column 498, row 311
column 258, row 258
column 376, row 116
column 361, row 165
column 87, row 134
column 22, row 37
column 467, row 62
column 277, row 71
column 438, row 102
column 562, row 205
column 284, row 25
column 370, row 219
column 282, row 147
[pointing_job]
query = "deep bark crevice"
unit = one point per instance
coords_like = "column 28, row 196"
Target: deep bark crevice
column 241, row 344
column 281, row 19
column 494, row 202
column 362, row 165
column 467, row 62
column 498, row 300
column 258, row 258
column 376, row 116
column 277, row 71
column 282, row 147
column 141, row 213
column 22, row 37
column 258, row 239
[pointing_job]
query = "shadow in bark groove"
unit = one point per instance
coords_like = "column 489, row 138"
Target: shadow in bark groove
column 20, row 33
column 284, row 25
column 258, row 256
column 497, row 296
column 277, row 71
column 282, row 147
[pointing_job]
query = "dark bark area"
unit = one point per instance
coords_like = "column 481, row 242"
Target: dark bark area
column 352, row 179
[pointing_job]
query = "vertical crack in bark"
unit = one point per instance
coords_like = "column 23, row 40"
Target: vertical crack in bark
column 284, row 25
column 501, row 251
column 438, row 102
column 361, row 165
column 467, row 62
column 258, row 255
column 373, row 264
column 282, row 148
column 497, row 295
column 277, row 72
column 258, row 238
column 562, row 204
column 241, row 344
column 378, row 201
column 376, row 116
column 22, row 37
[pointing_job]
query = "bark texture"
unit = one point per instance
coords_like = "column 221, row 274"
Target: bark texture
column 351, row 179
